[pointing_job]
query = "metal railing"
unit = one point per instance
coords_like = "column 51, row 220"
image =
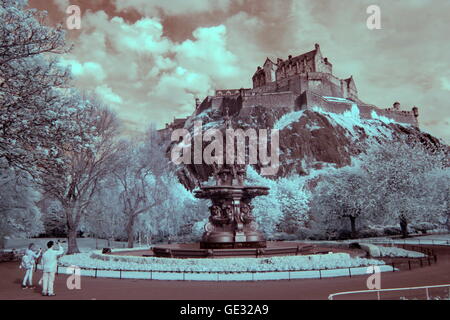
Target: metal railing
column 331, row 296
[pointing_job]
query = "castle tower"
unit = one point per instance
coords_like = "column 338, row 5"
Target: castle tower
column 348, row 88
column 265, row 75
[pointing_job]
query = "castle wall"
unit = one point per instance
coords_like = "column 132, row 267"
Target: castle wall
column 233, row 103
column 324, row 84
column 270, row 100
column 227, row 92
column 216, row 103
column 401, row 116
column 365, row 111
column 289, row 70
column 309, row 99
column 283, row 85
column 296, row 84
column 269, row 87
column 321, row 83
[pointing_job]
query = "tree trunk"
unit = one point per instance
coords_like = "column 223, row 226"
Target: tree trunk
column 72, row 226
column 130, row 232
column 353, row 226
column 404, row 226
column 72, row 246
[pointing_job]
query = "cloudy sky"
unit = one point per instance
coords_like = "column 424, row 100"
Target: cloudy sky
column 149, row 59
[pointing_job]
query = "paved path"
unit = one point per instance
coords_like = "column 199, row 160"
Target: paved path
column 263, row 290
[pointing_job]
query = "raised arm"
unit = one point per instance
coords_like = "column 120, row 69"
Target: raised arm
column 60, row 250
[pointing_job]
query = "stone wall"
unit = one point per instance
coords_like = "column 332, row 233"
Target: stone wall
column 310, row 99
column 324, row 84
column 268, row 87
column 401, row 116
column 271, row 100
column 216, row 103
column 365, row 110
column 321, row 83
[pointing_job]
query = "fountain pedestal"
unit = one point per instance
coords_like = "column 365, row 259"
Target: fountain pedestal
column 231, row 223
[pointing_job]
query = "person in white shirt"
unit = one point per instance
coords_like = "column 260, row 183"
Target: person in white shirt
column 49, row 264
column 28, row 263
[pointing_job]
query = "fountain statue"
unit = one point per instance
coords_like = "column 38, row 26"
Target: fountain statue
column 231, row 223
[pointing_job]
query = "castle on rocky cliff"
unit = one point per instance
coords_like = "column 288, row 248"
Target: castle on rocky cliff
column 297, row 83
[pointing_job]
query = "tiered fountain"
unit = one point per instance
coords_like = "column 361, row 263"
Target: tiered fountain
column 231, row 223
column 231, row 229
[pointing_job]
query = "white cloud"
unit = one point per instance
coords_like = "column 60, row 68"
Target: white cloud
column 108, row 95
column 208, row 54
column 145, row 76
column 86, row 72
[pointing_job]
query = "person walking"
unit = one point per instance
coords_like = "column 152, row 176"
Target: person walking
column 49, row 266
column 28, row 263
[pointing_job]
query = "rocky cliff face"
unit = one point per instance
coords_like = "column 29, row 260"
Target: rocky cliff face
column 309, row 139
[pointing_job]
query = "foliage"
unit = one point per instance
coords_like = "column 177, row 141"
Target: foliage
column 387, row 182
column 19, row 214
column 285, row 208
column 37, row 106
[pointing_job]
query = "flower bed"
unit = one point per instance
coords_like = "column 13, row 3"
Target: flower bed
column 96, row 260
column 394, row 252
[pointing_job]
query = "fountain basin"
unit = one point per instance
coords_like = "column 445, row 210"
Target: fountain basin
column 194, row 250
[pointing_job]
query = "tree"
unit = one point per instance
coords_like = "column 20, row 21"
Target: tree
column 140, row 174
column 267, row 209
column 53, row 216
column 294, row 201
column 412, row 179
column 75, row 180
column 36, row 104
column 344, row 193
column 177, row 213
column 105, row 216
column 436, row 195
column 396, row 182
column 19, row 214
